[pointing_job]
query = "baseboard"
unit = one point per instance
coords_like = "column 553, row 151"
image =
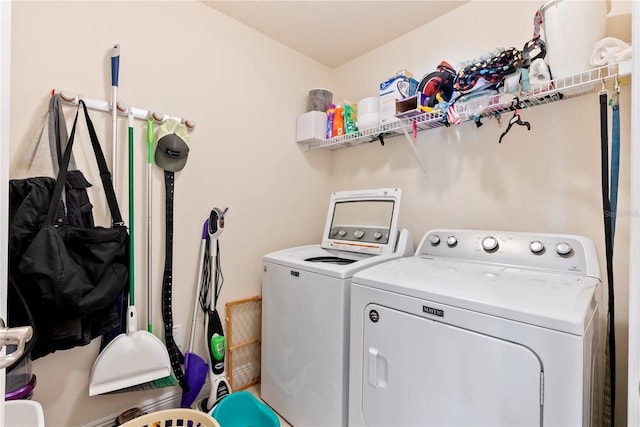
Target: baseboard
column 168, row 400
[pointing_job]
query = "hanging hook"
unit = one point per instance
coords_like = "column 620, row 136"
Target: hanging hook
column 122, row 108
column 497, row 116
column 515, row 119
column 515, row 103
column 156, row 116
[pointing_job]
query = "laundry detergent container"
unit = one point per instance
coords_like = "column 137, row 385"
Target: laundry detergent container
column 241, row 409
column 571, row 30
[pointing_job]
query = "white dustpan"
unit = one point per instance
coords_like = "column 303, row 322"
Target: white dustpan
column 137, row 359
column 131, row 359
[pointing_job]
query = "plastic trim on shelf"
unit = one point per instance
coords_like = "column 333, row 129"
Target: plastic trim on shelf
column 580, row 84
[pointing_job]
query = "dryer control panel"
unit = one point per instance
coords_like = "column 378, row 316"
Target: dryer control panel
column 554, row 252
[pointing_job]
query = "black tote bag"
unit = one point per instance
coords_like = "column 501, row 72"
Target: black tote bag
column 72, row 274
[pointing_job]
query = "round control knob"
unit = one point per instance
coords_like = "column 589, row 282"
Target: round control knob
column 342, row 233
column 377, row 235
column 334, row 232
column 536, row 247
column 358, row 234
column 563, row 248
column 435, row 240
column 489, row 244
column 452, row 241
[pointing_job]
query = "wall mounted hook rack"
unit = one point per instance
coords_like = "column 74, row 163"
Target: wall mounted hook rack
column 72, row 98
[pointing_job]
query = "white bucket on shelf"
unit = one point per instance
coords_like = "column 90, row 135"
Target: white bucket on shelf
column 571, row 30
column 368, row 112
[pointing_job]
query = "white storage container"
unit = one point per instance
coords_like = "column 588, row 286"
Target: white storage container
column 311, row 126
column 23, row 413
column 571, row 30
column 368, row 112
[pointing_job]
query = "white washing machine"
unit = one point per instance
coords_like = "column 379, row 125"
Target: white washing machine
column 479, row 328
column 305, row 306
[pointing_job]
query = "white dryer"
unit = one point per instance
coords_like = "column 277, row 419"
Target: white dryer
column 479, row 328
column 305, row 306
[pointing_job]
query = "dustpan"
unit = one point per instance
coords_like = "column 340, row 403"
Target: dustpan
column 131, row 359
column 138, row 357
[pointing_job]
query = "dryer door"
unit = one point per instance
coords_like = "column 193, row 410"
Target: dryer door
column 417, row 371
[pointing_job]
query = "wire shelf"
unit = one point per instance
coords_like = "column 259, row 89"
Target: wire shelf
column 579, row 84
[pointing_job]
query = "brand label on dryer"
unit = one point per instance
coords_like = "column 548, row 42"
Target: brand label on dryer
column 434, row 311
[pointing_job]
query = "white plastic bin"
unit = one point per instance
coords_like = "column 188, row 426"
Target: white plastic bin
column 23, row 413
column 571, row 30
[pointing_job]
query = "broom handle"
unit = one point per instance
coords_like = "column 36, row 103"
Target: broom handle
column 115, row 69
column 131, row 202
column 149, row 223
column 205, row 231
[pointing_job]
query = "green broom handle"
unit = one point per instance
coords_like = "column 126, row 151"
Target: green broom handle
column 131, row 201
column 149, row 226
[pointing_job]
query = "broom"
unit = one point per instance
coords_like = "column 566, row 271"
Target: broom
column 117, row 368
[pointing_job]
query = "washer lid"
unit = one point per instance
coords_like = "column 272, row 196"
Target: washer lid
column 562, row 302
column 364, row 221
column 339, row 264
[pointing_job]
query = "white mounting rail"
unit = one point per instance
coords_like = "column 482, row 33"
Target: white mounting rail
column 72, row 98
column 590, row 81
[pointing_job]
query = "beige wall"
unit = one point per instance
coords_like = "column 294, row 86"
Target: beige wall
column 544, row 180
column 244, row 91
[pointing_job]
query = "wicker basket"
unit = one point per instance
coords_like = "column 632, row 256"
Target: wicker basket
column 173, row 417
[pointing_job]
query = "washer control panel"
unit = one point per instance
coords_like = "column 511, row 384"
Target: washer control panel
column 360, row 233
column 562, row 252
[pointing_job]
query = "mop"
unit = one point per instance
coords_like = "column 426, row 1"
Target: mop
column 135, row 360
column 214, row 333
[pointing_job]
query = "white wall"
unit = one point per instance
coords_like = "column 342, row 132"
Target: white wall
column 242, row 89
column 633, row 409
column 5, row 61
column 543, row 180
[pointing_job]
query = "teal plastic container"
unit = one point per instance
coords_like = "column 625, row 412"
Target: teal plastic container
column 242, row 409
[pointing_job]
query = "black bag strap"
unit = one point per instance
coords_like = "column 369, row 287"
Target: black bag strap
column 105, row 175
column 58, row 136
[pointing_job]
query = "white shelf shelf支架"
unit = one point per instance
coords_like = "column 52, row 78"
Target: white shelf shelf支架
column 580, row 84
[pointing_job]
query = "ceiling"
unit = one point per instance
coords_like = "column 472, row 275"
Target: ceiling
column 333, row 31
